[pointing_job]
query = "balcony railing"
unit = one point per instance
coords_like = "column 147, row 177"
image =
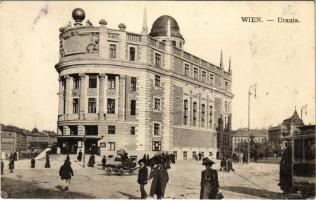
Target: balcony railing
column 133, row 37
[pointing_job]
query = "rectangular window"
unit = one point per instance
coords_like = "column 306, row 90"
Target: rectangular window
column 156, row 104
column 185, row 155
column 196, row 73
column 111, row 106
column 157, row 60
column 73, row 130
column 92, row 105
column 112, row 51
column 111, row 81
column 133, row 83
column 156, row 129
column 91, row 130
column 185, row 112
column 204, row 76
column 210, row 116
column 133, row 130
column 111, row 129
column 133, row 107
column 156, row 146
column 194, row 113
column 92, row 81
column 174, row 43
column 157, row 81
column 75, row 106
column 111, row 146
column 186, row 70
column 194, row 154
column 76, row 82
column 211, row 79
column 132, row 54
column 203, row 115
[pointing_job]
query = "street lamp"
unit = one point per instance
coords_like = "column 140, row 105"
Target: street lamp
column 251, row 91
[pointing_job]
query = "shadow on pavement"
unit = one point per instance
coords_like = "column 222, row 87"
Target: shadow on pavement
column 18, row 189
column 129, row 195
column 253, row 192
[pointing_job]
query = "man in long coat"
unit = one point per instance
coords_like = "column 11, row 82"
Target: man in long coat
column 32, row 162
column 11, row 164
column 142, row 178
column 65, row 173
column 209, row 181
column 160, row 177
column 79, row 157
column 47, row 164
column 286, row 169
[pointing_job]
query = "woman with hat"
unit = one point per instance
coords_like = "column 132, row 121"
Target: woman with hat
column 209, row 181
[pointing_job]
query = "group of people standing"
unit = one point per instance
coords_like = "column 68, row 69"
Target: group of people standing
column 227, row 165
column 158, row 174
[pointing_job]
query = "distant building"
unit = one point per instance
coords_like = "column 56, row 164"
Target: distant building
column 22, row 141
column 286, row 129
column 243, row 135
column 141, row 92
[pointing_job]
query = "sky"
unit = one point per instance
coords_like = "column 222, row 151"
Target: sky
column 278, row 57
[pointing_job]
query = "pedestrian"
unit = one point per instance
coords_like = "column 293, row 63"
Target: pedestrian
column 160, row 177
column 104, row 162
column 223, row 165
column 286, row 170
column 79, row 157
column 173, row 158
column 15, row 156
column 230, row 165
column 2, row 167
column 47, row 164
column 142, row 178
column 147, row 158
column 209, row 181
column 200, row 155
column 11, row 164
column 65, row 173
column 91, row 161
column 32, row 162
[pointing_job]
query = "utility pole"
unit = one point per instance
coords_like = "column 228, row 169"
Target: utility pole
column 252, row 90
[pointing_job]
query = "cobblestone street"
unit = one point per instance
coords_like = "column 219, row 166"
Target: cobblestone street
column 248, row 181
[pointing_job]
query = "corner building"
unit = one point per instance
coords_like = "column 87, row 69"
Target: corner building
column 138, row 92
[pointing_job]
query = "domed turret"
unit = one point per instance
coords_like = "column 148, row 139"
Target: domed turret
column 78, row 15
column 160, row 27
column 167, row 28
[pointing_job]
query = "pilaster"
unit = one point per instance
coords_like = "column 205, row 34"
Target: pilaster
column 68, row 95
column 101, row 96
column 82, row 95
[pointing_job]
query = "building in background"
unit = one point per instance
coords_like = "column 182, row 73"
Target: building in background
column 243, row 135
column 24, row 142
column 139, row 92
column 285, row 129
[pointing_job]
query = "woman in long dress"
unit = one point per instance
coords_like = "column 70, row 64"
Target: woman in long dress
column 209, row 181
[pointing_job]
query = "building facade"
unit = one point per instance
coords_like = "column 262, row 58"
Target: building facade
column 243, row 135
column 285, row 129
column 138, row 92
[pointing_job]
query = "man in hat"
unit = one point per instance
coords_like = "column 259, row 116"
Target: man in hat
column 209, row 181
column 103, row 162
column 47, row 164
column 160, row 177
column 142, row 178
column 65, row 173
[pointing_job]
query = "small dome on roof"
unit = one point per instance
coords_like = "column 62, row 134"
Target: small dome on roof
column 160, row 27
column 78, row 14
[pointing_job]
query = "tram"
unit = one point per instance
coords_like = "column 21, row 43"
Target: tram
column 303, row 160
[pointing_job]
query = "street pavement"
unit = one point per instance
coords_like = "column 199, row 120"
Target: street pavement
column 249, row 181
